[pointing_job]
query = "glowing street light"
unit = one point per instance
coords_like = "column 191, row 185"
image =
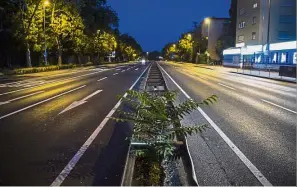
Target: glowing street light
column 208, row 22
column 46, row 3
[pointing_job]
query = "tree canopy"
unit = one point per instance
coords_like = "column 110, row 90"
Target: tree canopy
column 63, row 29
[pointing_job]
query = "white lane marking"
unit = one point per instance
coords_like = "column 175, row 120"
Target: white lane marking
column 65, row 172
column 51, row 98
column 118, row 69
column 115, row 74
column 49, row 82
column 102, row 79
column 279, row 106
column 78, row 103
column 136, row 69
column 123, row 70
column 6, row 102
column 261, row 178
column 226, row 86
column 203, row 78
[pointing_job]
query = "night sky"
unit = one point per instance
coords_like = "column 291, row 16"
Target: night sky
column 156, row 22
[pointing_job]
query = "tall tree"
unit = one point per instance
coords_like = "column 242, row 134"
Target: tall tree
column 28, row 24
column 66, row 25
column 185, row 47
column 104, row 43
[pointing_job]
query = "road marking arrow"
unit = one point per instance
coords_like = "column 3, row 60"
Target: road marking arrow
column 78, row 103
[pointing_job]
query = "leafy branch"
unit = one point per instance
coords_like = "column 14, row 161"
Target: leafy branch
column 157, row 123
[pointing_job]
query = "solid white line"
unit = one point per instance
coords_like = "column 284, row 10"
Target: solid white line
column 226, row 86
column 65, row 172
column 123, row 70
column 115, row 74
column 279, row 106
column 136, row 69
column 41, row 102
column 102, row 79
column 261, row 178
column 6, row 102
column 50, row 82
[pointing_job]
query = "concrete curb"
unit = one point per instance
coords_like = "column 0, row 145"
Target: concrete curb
column 276, row 79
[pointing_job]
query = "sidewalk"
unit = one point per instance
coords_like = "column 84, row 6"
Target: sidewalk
column 264, row 74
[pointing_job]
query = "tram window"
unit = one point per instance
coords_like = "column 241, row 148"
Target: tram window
column 284, row 57
column 275, row 58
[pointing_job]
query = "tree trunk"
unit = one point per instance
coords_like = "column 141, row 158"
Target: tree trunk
column 89, row 58
column 59, row 56
column 28, row 57
column 98, row 58
column 79, row 59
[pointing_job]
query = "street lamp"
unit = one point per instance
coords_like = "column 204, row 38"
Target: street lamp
column 208, row 22
column 45, row 4
column 190, row 36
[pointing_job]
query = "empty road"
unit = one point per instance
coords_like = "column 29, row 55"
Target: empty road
column 54, row 128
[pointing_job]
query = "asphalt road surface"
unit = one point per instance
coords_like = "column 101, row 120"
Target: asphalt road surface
column 256, row 115
column 47, row 122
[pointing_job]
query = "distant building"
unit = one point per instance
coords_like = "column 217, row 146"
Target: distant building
column 265, row 21
column 213, row 28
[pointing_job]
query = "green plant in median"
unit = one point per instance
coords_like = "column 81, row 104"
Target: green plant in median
column 157, row 123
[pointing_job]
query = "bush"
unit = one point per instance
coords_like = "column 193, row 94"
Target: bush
column 202, row 59
column 39, row 69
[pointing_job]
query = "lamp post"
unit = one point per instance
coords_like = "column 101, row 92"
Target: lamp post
column 208, row 22
column 45, row 3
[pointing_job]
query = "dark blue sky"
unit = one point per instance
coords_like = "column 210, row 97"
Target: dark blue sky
column 156, row 22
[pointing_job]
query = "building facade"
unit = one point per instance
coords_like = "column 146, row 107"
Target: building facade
column 265, row 21
column 213, row 28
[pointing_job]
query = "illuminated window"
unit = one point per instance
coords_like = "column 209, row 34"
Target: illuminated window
column 254, row 20
column 241, row 38
column 241, row 25
column 275, row 58
column 284, row 57
column 258, row 60
column 253, row 35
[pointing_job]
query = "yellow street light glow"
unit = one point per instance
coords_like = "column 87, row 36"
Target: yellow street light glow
column 207, row 20
column 46, row 3
column 174, row 45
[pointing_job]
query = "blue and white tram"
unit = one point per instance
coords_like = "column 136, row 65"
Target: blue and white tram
column 280, row 54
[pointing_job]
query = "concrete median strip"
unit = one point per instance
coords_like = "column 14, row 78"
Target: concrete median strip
column 260, row 177
column 51, row 98
column 66, row 171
